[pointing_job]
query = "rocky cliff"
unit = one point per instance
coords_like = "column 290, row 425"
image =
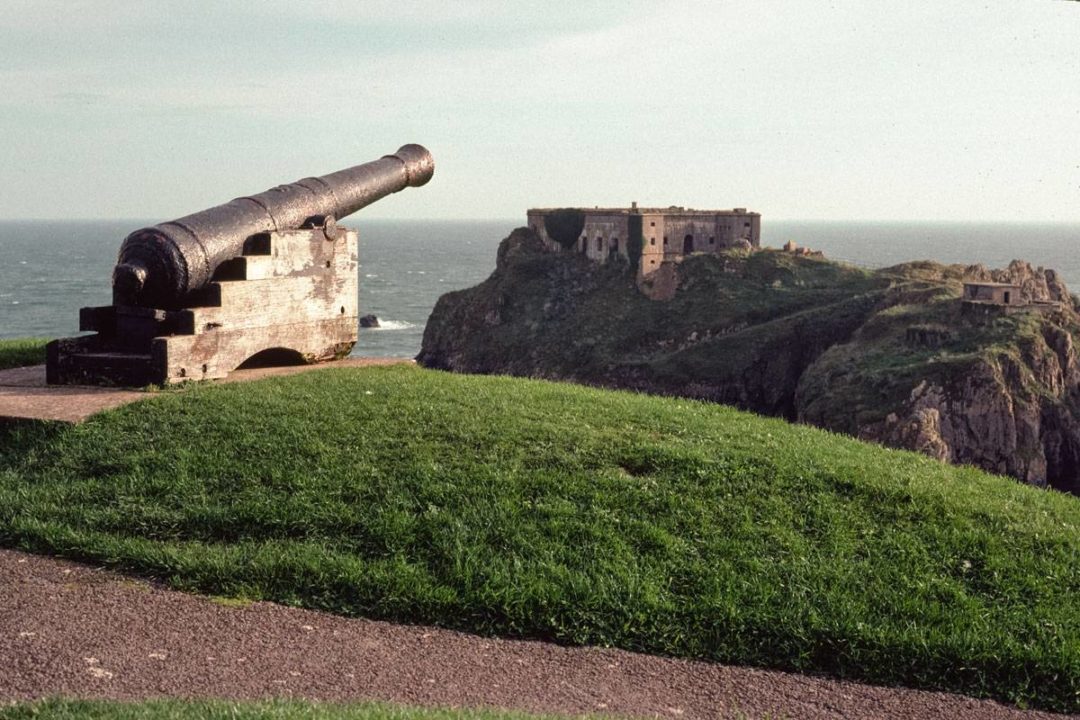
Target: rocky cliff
column 889, row 355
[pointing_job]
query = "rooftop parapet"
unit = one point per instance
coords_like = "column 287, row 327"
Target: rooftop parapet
column 635, row 210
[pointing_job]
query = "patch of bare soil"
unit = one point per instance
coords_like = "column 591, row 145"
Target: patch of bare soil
column 69, row 630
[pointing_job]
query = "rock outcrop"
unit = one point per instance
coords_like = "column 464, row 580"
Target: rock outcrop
column 1013, row 415
column 886, row 356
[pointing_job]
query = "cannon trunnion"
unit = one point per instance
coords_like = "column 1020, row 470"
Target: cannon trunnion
column 267, row 277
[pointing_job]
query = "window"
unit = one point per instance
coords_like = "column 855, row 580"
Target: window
column 599, row 243
column 746, row 224
column 665, row 241
column 652, row 241
column 652, row 224
column 712, row 241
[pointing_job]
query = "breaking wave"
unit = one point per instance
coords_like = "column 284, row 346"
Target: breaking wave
column 393, row 325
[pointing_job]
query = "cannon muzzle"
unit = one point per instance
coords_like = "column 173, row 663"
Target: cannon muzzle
column 160, row 266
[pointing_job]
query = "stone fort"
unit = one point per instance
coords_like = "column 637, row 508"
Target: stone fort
column 663, row 234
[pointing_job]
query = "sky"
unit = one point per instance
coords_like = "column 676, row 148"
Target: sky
column 915, row 110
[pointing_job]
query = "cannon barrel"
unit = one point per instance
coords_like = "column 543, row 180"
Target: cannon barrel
column 160, row 265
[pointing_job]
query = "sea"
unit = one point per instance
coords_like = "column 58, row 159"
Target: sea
column 49, row 269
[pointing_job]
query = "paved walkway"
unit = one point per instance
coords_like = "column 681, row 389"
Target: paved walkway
column 25, row 396
column 68, row 630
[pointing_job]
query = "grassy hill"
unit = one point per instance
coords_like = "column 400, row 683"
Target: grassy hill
column 534, row 509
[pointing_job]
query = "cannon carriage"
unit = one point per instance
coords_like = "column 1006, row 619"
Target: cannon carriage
column 264, row 275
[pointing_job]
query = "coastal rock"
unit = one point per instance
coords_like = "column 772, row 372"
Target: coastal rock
column 1036, row 284
column 369, row 321
column 1013, row 416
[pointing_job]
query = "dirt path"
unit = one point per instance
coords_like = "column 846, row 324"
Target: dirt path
column 69, row 630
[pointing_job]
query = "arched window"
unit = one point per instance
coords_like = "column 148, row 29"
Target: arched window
column 599, row 243
column 652, row 241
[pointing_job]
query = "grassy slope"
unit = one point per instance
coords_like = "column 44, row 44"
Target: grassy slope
column 21, row 352
column 224, row 710
column 526, row 508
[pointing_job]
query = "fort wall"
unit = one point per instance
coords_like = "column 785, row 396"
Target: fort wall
column 667, row 234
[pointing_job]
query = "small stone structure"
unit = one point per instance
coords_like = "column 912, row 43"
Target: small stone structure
column 665, row 234
column 987, row 300
column 994, row 293
column 990, row 299
column 792, row 247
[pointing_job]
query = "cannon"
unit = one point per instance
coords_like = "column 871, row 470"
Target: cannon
column 263, row 276
column 162, row 265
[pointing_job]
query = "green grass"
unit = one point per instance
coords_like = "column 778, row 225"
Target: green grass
column 21, row 352
column 533, row 509
column 228, row 710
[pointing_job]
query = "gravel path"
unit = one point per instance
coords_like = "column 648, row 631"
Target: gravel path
column 73, row 631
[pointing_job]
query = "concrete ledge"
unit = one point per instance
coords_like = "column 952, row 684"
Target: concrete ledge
column 24, row 395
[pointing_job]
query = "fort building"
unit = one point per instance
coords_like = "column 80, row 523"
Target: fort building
column 663, row 234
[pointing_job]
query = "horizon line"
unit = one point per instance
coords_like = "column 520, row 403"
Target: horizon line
column 765, row 218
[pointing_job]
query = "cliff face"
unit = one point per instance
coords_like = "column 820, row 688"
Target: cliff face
column 1012, row 411
column 887, row 356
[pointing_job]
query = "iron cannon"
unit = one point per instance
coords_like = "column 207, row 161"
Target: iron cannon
column 264, row 279
column 163, row 265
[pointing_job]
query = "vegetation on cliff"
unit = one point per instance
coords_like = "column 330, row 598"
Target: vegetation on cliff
column 884, row 355
column 548, row 510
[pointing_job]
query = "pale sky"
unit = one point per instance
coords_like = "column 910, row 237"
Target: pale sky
column 923, row 109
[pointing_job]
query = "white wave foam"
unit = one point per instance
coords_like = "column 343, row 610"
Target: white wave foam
column 393, row 325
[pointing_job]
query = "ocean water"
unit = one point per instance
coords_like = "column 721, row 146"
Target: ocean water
column 49, row 269
column 880, row 244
